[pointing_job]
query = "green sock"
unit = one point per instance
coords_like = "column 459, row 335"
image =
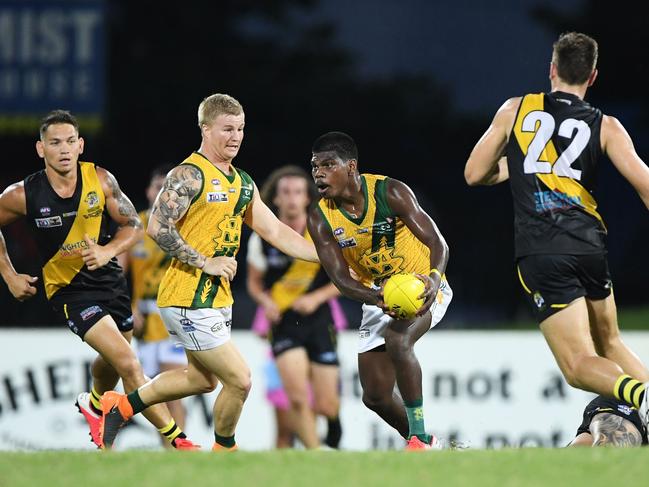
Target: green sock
column 226, row 441
column 415, row 412
column 135, row 401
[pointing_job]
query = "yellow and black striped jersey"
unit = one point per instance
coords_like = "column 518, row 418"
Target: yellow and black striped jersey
column 285, row 277
column 59, row 225
column 552, row 156
column 377, row 244
column 212, row 226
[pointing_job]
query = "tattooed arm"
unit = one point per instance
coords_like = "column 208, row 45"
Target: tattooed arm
column 612, row 430
column 122, row 212
column 181, row 185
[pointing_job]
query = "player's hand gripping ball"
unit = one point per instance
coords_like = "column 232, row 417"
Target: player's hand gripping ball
column 401, row 295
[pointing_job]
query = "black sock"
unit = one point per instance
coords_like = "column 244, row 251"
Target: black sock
column 226, row 441
column 136, row 403
column 334, row 432
column 180, row 435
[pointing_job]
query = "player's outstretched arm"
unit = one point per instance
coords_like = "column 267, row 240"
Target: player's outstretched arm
column 181, row 185
column 331, row 258
column 309, row 302
column 13, row 206
column 487, row 165
column 612, row 430
column 618, row 146
column 279, row 235
column 405, row 205
column 122, row 212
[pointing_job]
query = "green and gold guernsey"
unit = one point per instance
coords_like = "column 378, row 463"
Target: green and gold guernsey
column 377, row 244
column 59, row 225
column 212, row 226
column 552, row 156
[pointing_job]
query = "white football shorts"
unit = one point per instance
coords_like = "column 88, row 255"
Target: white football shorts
column 375, row 321
column 198, row 329
column 152, row 354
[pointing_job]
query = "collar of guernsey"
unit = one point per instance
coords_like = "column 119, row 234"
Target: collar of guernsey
column 212, row 226
column 377, row 243
column 59, row 271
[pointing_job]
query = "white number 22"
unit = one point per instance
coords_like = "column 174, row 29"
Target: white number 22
column 561, row 167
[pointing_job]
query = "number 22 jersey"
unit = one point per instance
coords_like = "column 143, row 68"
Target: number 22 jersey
column 552, row 156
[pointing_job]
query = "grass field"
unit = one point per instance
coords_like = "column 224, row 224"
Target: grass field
column 479, row 468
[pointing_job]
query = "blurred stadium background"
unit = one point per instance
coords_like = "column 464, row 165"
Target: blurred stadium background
column 415, row 83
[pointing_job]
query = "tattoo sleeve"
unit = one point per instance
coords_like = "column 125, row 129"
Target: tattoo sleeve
column 124, row 205
column 172, row 203
column 612, row 430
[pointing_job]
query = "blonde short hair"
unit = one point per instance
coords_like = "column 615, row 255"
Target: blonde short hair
column 215, row 105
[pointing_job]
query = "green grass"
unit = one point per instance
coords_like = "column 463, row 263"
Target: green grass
column 590, row 467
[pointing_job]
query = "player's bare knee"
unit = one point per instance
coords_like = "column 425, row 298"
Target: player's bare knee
column 574, row 371
column 328, row 408
column 129, row 369
column 373, row 401
column 299, row 401
column 247, row 385
column 609, row 344
column 206, row 385
column 240, row 385
column 398, row 349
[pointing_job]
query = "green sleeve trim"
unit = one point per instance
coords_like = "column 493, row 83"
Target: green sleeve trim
column 381, row 198
column 324, row 218
column 382, row 229
column 246, row 193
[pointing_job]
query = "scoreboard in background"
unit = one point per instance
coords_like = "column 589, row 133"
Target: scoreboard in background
column 52, row 55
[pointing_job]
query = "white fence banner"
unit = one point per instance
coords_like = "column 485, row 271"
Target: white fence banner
column 490, row 389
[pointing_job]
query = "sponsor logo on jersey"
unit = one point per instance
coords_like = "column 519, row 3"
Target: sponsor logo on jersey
column 538, row 300
column 363, row 333
column 339, row 231
column 52, row 221
column 362, row 230
column 74, row 248
column 382, row 227
column 69, row 213
column 348, row 242
column 92, row 199
column 232, row 190
column 555, row 201
column 217, row 197
column 89, row 312
column 45, row 210
column 246, row 189
column 216, row 182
